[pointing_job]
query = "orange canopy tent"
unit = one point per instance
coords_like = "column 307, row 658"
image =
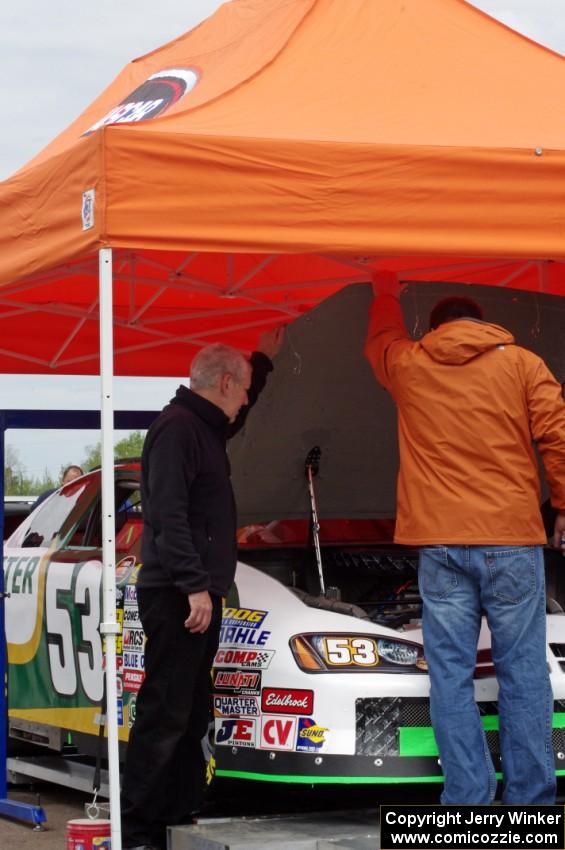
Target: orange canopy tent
column 240, row 174
column 251, row 167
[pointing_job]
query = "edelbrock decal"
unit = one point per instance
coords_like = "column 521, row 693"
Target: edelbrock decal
column 287, row 701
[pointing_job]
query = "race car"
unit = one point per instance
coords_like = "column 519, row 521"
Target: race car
column 320, row 676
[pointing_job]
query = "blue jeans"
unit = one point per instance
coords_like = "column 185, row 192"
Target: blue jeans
column 458, row 584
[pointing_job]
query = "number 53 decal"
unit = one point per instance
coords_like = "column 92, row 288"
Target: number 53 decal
column 357, row 651
column 72, row 619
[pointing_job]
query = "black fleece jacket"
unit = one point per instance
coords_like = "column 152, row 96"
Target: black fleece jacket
column 189, row 513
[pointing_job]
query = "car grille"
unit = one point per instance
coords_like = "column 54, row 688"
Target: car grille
column 377, row 722
column 558, row 650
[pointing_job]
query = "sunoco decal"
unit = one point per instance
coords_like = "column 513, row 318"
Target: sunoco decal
column 310, row 735
column 152, row 98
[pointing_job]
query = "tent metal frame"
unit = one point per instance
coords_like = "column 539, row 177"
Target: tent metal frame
column 126, row 270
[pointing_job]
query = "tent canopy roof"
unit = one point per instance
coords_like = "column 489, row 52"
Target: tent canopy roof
column 278, row 151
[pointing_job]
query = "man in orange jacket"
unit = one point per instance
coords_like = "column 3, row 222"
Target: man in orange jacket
column 471, row 404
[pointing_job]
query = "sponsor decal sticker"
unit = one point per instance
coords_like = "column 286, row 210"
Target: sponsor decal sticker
column 310, row 735
column 248, row 636
column 130, row 594
column 87, row 209
column 134, row 660
column 133, row 639
column 125, row 567
column 278, row 733
column 243, row 616
column 152, row 98
column 132, row 709
column 239, row 681
column 235, row 706
column 120, row 712
column 287, row 701
column 232, row 656
column 133, row 680
column 131, row 616
column 237, row 732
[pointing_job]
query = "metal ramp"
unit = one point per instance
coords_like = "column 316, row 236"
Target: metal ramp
column 355, row 830
column 57, row 769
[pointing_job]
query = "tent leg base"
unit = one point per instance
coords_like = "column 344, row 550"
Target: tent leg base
column 22, row 811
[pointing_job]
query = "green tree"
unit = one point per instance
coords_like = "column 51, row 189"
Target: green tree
column 128, row 447
column 18, row 482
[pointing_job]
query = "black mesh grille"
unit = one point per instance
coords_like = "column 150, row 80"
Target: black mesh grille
column 376, row 563
column 492, row 741
column 378, row 721
column 415, row 712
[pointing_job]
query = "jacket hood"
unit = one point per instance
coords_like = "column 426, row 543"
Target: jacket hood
column 461, row 340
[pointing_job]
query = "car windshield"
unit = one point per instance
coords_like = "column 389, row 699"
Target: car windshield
column 50, row 519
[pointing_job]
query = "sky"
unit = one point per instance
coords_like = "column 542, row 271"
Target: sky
column 55, row 58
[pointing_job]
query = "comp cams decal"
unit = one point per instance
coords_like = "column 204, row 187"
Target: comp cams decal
column 231, row 656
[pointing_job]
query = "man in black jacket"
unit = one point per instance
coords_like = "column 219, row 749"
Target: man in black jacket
column 188, row 558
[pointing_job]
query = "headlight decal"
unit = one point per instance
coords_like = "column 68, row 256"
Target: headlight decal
column 356, row 653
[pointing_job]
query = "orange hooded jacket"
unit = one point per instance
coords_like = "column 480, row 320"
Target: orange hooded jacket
column 471, row 403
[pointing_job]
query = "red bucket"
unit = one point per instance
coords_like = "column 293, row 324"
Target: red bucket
column 86, row 834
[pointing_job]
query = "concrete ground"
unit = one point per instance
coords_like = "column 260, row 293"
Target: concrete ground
column 62, row 804
column 59, row 804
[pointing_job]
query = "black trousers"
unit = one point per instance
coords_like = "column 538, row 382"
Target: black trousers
column 164, row 777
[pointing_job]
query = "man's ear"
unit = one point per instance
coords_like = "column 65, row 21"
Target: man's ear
column 225, row 383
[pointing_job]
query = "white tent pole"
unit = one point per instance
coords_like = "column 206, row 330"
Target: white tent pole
column 109, row 627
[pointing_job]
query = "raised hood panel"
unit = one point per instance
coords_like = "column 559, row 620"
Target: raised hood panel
column 322, row 392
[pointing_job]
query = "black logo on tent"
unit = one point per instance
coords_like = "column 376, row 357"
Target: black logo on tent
column 152, row 98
